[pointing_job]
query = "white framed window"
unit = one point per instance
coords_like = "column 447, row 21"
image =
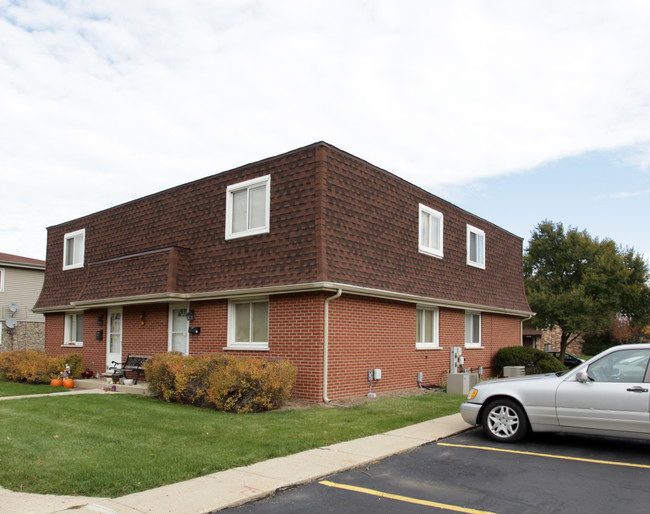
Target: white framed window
column 475, row 247
column 431, row 227
column 74, row 329
column 472, row 329
column 74, row 245
column 2, row 280
column 427, row 328
column 248, row 324
column 248, row 207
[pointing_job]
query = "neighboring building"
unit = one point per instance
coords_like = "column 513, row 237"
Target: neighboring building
column 549, row 340
column 21, row 280
column 314, row 256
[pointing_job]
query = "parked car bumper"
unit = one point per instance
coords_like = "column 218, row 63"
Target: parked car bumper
column 469, row 412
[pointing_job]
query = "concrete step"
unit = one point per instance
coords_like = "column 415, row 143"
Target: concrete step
column 97, row 383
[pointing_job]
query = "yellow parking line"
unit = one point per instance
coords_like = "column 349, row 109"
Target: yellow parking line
column 402, row 498
column 548, row 455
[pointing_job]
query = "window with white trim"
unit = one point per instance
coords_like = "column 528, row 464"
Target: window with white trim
column 74, row 329
column 248, row 207
column 475, row 247
column 472, row 329
column 248, row 324
column 430, row 239
column 427, row 328
column 2, row 280
column 73, row 249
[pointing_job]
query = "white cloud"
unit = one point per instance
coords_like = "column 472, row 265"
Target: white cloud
column 103, row 102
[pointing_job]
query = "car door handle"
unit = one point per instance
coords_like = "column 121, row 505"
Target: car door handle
column 637, row 389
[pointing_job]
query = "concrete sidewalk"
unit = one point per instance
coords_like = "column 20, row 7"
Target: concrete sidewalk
column 240, row 485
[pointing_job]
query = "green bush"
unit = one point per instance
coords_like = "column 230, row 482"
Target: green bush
column 534, row 361
column 225, row 383
column 36, row 367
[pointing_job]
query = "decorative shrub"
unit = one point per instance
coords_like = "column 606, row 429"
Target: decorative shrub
column 225, row 383
column 534, row 360
column 36, row 367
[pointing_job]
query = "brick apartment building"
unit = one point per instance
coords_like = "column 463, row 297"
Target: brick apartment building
column 315, row 256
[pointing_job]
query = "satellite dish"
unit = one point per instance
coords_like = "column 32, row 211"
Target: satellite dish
column 13, row 306
column 11, row 322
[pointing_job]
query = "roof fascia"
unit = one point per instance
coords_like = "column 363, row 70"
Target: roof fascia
column 23, row 265
column 276, row 290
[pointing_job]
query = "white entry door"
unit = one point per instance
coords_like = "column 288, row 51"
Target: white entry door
column 114, row 337
column 179, row 325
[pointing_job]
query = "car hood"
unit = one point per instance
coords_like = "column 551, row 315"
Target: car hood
column 528, row 378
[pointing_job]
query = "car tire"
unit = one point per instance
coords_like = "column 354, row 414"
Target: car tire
column 504, row 421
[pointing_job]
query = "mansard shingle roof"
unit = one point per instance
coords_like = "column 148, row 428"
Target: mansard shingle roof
column 334, row 218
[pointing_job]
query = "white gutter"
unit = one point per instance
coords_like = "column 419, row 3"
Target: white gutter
column 293, row 288
column 326, row 331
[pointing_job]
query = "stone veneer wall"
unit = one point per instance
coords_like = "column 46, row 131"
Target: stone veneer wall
column 27, row 335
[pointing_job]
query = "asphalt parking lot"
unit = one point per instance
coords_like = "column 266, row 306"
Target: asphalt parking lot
column 469, row 473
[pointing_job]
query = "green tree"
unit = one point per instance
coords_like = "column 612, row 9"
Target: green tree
column 581, row 284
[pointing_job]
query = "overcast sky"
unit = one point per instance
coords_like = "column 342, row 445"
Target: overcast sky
column 517, row 111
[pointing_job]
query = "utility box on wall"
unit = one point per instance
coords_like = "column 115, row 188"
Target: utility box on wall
column 461, row 383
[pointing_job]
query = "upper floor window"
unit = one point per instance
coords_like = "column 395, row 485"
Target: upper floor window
column 2, row 280
column 473, row 329
column 74, row 329
column 430, row 231
column 248, row 325
column 73, row 249
column 475, row 247
column 247, row 207
column 427, row 328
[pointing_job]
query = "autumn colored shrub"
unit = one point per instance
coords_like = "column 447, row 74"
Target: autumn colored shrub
column 36, row 367
column 225, row 383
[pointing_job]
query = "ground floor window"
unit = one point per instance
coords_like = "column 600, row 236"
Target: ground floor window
column 248, row 324
column 472, row 329
column 74, row 329
column 427, row 328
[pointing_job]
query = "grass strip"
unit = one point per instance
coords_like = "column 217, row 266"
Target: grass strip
column 111, row 445
column 16, row 389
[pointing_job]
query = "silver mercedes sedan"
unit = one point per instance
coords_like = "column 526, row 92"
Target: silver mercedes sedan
column 607, row 395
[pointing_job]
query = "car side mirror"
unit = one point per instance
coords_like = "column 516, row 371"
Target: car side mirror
column 582, row 376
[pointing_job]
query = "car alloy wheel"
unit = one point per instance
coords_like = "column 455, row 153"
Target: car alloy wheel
column 505, row 421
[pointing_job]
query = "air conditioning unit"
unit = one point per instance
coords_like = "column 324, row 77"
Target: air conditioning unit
column 513, row 371
column 461, row 383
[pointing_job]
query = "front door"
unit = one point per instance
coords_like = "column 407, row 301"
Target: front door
column 114, row 338
column 178, row 328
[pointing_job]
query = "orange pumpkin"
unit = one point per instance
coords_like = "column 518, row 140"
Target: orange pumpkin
column 56, row 382
column 69, row 383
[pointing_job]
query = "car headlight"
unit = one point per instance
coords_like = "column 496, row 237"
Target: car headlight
column 472, row 394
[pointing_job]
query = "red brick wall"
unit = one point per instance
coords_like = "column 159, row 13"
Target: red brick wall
column 364, row 334
column 367, row 334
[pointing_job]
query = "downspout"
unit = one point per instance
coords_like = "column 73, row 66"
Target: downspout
column 521, row 329
column 326, row 331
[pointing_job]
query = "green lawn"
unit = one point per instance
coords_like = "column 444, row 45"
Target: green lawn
column 112, row 445
column 13, row 389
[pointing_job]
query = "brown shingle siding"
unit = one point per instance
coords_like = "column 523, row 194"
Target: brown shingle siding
column 333, row 218
column 373, row 241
